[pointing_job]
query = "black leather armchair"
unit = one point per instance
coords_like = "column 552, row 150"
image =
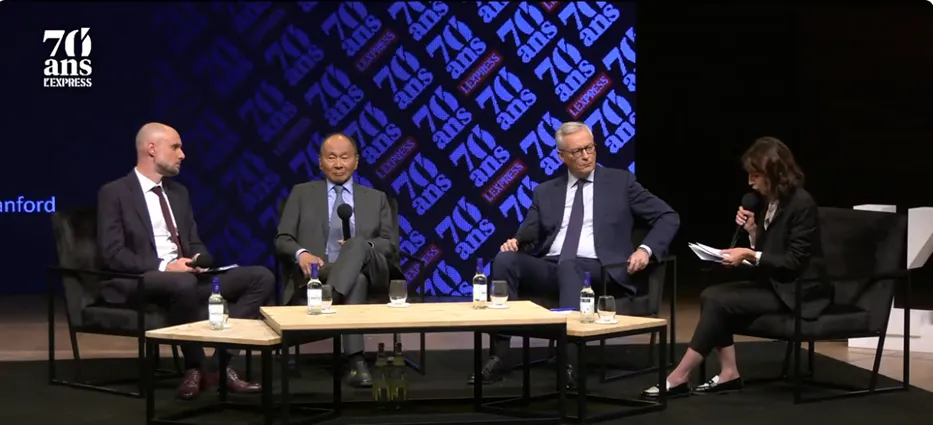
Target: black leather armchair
column 865, row 258
column 656, row 276
column 285, row 266
column 80, row 273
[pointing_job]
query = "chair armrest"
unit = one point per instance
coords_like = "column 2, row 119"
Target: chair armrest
column 100, row 273
column 408, row 256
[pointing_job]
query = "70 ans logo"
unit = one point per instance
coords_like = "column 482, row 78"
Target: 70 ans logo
column 515, row 97
column 481, row 146
column 268, row 110
column 569, row 63
column 295, row 53
column 425, row 184
column 535, row 34
column 615, row 118
column 542, row 139
column 626, row 51
column 373, row 132
column 354, row 24
column 458, row 46
column 224, row 67
column 597, row 21
column 467, row 228
column 426, row 19
column 404, row 70
column 70, row 67
column 334, row 87
column 444, row 115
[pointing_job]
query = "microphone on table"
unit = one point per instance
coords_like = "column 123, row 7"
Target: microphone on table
column 204, row 261
column 344, row 211
column 749, row 203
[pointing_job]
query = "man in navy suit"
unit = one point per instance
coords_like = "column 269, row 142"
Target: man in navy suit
column 577, row 223
column 146, row 225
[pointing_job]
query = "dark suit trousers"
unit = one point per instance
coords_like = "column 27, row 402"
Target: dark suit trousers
column 527, row 275
column 185, row 295
column 728, row 306
column 350, row 276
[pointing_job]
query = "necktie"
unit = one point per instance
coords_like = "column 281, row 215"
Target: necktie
column 336, row 228
column 167, row 216
column 572, row 239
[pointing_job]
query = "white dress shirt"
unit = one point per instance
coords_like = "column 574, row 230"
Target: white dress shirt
column 587, row 246
column 165, row 247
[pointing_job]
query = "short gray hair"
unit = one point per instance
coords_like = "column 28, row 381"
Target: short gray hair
column 569, row 128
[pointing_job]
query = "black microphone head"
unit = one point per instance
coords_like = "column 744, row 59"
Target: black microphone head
column 204, row 261
column 750, row 201
column 344, row 211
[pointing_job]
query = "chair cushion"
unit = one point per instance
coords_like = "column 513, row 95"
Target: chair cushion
column 836, row 321
column 108, row 318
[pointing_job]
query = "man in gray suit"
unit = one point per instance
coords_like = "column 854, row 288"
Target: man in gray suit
column 310, row 232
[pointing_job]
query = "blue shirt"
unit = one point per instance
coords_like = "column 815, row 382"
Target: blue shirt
column 347, row 197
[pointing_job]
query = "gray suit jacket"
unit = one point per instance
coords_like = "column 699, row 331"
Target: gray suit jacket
column 305, row 224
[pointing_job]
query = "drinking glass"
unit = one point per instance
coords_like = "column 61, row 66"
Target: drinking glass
column 500, row 293
column 398, row 292
column 606, row 307
column 327, row 297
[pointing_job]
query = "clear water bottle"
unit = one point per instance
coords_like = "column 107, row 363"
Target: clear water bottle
column 380, row 378
column 398, row 387
column 215, row 306
column 587, row 301
column 480, row 286
column 315, row 293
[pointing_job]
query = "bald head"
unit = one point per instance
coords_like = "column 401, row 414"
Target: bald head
column 339, row 157
column 158, row 148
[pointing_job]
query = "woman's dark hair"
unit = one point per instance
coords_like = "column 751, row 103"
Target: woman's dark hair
column 771, row 157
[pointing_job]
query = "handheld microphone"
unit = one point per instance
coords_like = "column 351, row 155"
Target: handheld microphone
column 204, row 261
column 344, row 211
column 750, row 203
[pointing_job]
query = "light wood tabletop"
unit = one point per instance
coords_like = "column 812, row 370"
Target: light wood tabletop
column 381, row 316
column 626, row 323
column 241, row 331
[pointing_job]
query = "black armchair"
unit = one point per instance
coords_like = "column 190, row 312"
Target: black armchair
column 80, row 274
column 657, row 275
column 865, row 259
column 286, row 267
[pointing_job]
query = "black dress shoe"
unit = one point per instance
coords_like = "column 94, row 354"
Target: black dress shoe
column 654, row 392
column 359, row 376
column 493, row 371
column 714, row 386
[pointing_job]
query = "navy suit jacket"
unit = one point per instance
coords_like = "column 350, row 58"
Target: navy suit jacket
column 124, row 231
column 618, row 199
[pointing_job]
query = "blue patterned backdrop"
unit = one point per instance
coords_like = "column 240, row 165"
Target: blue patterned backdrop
column 454, row 106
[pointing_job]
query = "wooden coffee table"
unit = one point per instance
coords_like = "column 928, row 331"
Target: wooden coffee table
column 580, row 333
column 294, row 324
column 243, row 334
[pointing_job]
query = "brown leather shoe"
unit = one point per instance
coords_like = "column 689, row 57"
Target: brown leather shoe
column 190, row 387
column 234, row 383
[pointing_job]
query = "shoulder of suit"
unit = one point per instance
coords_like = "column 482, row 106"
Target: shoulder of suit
column 367, row 190
column 305, row 185
column 171, row 184
column 802, row 197
column 615, row 173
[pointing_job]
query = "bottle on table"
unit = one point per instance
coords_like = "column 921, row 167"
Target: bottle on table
column 587, row 301
column 215, row 306
column 399, row 382
column 480, row 286
column 380, row 380
column 315, row 293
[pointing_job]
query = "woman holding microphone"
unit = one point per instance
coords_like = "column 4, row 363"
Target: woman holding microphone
column 784, row 244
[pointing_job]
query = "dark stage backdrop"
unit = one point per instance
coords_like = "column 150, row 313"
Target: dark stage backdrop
column 454, row 106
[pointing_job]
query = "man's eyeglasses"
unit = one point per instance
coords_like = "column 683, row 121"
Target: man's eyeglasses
column 576, row 153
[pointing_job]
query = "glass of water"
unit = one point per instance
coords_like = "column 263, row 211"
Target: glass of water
column 398, row 292
column 327, row 297
column 606, row 308
column 500, row 293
